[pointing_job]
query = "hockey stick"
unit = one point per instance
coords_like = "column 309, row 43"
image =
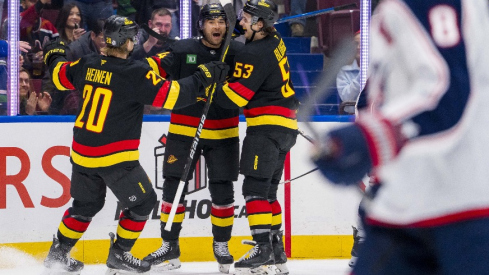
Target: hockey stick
column 156, row 35
column 316, row 13
column 231, row 17
column 308, row 138
column 298, row 177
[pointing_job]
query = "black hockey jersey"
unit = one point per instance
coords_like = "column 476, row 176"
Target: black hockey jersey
column 261, row 84
column 108, row 124
column 182, row 60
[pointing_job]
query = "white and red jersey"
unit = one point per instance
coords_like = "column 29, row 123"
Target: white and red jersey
column 429, row 72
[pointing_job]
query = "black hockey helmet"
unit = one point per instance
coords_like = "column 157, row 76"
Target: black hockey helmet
column 117, row 29
column 210, row 11
column 264, row 9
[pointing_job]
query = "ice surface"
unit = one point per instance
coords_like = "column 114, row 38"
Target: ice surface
column 15, row 262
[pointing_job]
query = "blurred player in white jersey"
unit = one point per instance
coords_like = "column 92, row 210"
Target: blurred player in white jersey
column 426, row 140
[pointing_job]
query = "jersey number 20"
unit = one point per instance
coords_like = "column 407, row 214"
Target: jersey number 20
column 100, row 94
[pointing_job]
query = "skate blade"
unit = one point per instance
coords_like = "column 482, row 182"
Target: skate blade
column 224, row 268
column 112, row 271
column 352, row 261
column 261, row 270
column 281, row 269
column 51, row 271
column 167, row 265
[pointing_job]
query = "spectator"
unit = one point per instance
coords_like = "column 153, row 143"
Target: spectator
column 146, row 7
column 90, row 42
column 297, row 26
column 33, row 27
column 30, row 102
column 92, row 10
column 69, row 23
column 36, row 31
column 148, row 45
column 24, row 47
column 348, row 79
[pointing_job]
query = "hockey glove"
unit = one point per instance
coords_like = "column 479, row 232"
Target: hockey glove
column 238, row 30
column 352, row 151
column 212, row 72
column 52, row 50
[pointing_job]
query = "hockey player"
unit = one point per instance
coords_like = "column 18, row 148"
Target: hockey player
column 426, row 140
column 106, row 139
column 219, row 142
column 261, row 85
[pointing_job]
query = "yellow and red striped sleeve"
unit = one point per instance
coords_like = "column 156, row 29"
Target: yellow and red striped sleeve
column 167, row 96
column 59, row 77
column 155, row 64
column 238, row 93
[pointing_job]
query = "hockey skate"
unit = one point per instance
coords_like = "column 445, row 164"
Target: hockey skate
column 166, row 257
column 279, row 253
column 259, row 260
column 123, row 262
column 357, row 242
column 221, row 253
column 59, row 261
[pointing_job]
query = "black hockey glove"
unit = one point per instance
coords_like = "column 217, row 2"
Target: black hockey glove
column 53, row 49
column 238, row 30
column 212, row 72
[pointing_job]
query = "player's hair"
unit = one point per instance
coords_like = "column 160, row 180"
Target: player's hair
column 269, row 30
column 110, row 50
column 160, row 12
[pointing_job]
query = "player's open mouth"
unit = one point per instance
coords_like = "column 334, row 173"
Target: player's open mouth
column 216, row 34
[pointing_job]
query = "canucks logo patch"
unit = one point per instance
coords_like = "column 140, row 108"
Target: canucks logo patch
column 171, row 159
column 191, row 59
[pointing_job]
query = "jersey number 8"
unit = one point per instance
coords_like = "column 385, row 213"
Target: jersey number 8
column 444, row 26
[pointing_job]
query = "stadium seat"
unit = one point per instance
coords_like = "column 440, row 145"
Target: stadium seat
column 342, row 24
column 335, row 25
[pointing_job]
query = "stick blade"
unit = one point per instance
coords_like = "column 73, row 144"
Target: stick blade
column 230, row 12
column 225, row 2
column 231, row 17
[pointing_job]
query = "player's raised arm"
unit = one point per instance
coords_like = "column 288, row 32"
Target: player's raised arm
column 55, row 59
column 163, row 63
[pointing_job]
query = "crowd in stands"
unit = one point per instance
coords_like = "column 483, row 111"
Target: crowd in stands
column 79, row 24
